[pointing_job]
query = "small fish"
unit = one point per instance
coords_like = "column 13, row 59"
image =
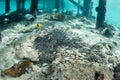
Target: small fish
column 39, row 25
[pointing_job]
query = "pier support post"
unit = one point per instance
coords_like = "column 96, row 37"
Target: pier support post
column 57, row 5
column 101, row 9
column 20, row 5
column 7, row 6
column 87, row 8
column 34, row 6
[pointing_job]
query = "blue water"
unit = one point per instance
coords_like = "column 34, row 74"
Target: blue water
column 112, row 16
column 113, row 12
column 13, row 5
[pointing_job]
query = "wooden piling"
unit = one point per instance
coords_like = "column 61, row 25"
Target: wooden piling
column 87, row 4
column 34, row 6
column 7, row 6
column 101, row 9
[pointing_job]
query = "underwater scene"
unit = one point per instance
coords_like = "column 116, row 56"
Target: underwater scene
column 59, row 40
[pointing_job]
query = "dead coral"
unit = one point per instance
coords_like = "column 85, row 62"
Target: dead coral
column 48, row 43
column 94, row 58
column 99, row 51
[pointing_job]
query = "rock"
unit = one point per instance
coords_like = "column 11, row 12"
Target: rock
column 117, row 72
column 41, row 11
column 108, row 33
column 109, row 26
column 94, row 58
column 18, row 69
column 29, row 17
column 86, row 21
column 112, row 60
column 94, row 31
column 26, row 30
column 54, row 10
column 0, row 37
column 6, row 20
column 99, row 76
column 47, row 70
column 57, row 17
column 24, row 48
column 44, row 68
column 118, row 34
column 50, row 70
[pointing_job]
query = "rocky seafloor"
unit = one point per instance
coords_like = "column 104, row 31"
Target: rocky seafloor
column 61, row 50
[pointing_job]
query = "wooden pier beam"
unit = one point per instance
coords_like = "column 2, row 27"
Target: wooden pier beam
column 77, row 4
